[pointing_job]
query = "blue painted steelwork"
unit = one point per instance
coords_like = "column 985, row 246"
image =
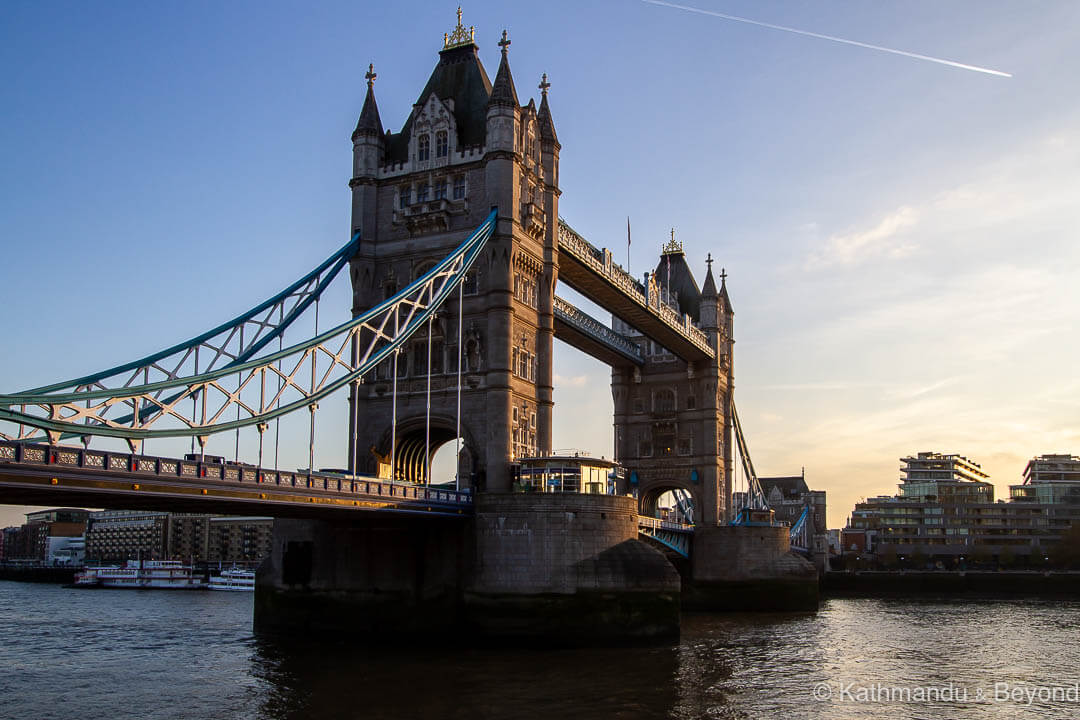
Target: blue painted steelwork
column 268, row 322
column 800, row 532
column 351, row 349
column 754, row 497
column 685, row 502
column 331, row 266
column 673, row 535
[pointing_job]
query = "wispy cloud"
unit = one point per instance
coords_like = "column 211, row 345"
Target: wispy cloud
column 572, row 381
column 826, row 386
column 910, row 393
column 886, row 238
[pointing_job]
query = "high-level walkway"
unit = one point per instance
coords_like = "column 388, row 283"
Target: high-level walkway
column 593, row 273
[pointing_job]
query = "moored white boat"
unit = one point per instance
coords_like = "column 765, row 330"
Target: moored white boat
column 135, row 574
column 235, row 579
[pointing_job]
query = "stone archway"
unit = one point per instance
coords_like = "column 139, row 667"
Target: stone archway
column 414, row 444
column 650, row 495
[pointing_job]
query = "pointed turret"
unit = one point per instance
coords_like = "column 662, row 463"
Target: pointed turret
column 543, row 118
column 503, row 92
column 710, row 305
column 708, row 289
column 725, row 301
column 677, row 280
column 369, row 153
column 369, row 122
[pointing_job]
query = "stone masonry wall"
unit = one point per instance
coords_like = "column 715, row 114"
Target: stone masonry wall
column 562, row 543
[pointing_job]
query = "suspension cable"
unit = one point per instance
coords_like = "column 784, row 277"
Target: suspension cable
column 393, row 408
column 277, row 420
column 427, row 428
column 354, row 412
column 314, row 406
column 460, row 358
column 194, row 399
column 239, row 382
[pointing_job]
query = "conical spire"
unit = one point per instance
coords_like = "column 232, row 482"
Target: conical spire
column 708, row 290
column 725, row 301
column 503, row 92
column 369, row 123
column 543, row 118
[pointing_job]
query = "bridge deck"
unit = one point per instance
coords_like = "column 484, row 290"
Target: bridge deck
column 593, row 337
column 673, row 535
column 59, row 474
column 591, row 272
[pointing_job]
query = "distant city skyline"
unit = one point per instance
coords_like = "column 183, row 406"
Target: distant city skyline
column 899, row 235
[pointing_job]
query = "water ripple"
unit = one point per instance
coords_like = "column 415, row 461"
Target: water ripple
column 111, row 655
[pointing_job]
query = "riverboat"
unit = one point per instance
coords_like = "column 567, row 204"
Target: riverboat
column 141, row 574
column 234, row 579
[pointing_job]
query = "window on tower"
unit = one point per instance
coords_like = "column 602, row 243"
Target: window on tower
column 437, row 352
column 665, row 441
column 459, row 187
column 422, row 192
column 664, row 401
column 423, row 148
column 440, row 144
column 440, row 190
column 403, row 196
column 471, row 286
column 419, row 362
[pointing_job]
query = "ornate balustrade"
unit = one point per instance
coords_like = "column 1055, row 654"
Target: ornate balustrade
column 207, row 476
column 600, row 262
column 596, row 330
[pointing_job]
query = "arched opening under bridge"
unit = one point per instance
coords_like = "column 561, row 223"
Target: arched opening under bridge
column 669, row 501
column 418, row 444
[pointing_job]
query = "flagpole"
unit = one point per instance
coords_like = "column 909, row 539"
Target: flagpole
column 627, row 244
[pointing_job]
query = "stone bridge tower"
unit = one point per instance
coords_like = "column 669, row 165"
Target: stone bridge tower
column 673, row 418
column 467, row 146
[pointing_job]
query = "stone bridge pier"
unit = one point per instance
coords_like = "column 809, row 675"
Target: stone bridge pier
column 562, row 569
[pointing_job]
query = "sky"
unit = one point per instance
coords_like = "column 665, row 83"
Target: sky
column 900, row 235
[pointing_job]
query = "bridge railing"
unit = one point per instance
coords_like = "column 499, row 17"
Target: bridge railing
column 596, row 329
column 64, row 457
column 658, row 524
column 601, row 263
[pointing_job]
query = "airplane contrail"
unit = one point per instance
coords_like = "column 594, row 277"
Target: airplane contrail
column 807, row 33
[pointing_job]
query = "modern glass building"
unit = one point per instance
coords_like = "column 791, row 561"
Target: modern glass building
column 945, row 509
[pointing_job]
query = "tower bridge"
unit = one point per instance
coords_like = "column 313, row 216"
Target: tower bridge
column 456, row 252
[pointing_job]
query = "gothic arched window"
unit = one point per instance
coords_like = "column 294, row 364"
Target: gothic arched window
column 422, row 269
column 423, row 148
column 440, row 144
column 665, row 401
column 471, row 285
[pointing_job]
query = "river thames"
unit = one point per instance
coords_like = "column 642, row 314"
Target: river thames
column 156, row 654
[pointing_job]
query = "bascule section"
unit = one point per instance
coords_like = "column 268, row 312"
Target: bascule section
column 468, row 146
